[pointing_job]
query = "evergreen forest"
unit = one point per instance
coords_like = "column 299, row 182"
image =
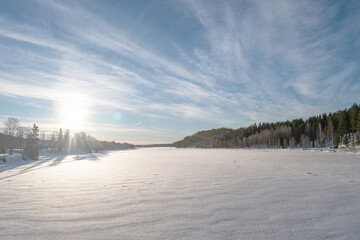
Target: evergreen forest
column 331, row 130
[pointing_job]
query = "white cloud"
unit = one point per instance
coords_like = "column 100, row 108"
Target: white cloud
column 252, row 61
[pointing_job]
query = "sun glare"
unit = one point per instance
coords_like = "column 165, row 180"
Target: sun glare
column 72, row 116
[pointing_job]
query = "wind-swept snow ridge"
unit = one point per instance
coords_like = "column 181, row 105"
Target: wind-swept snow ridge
column 167, row 193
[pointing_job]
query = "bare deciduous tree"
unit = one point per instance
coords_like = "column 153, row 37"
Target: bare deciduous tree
column 20, row 134
column 10, row 128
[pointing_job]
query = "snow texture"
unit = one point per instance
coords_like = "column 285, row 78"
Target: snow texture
column 167, row 193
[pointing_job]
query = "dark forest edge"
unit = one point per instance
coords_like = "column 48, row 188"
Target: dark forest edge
column 156, row 145
column 28, row 142
column 331, row 130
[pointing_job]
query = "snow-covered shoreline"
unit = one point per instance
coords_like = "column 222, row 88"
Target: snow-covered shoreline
column 168, row 193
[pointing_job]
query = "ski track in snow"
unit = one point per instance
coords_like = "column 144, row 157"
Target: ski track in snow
column 167, row 193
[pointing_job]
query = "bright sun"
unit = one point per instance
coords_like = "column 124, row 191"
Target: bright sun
column 72, row 115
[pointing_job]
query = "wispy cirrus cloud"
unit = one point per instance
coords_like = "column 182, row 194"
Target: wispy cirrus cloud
column 224, row 63
column 281, row 51
column 92, row 71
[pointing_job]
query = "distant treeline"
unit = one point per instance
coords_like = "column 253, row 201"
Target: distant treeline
column 17, row 137
column 29, row 142
column 8, row 142
column 80, row 142
column 325, row 130
column 155, row 145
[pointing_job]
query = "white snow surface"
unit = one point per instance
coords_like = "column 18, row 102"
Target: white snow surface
column 168, row 193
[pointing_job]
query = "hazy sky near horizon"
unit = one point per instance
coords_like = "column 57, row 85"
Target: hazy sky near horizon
column 156, row 71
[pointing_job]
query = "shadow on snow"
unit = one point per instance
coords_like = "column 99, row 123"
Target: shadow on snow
column 14, row 162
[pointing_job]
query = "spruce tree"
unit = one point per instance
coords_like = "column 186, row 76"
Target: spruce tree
column 344, row 123
column 319, row 133
column 331, row 130
column 346, row 141
column 32, row 146
column 67, row 141
column 353, row 115
column 60, row 142
column 336, row 140
column 53, row 143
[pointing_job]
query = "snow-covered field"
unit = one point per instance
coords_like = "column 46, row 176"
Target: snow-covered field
column 166, row 193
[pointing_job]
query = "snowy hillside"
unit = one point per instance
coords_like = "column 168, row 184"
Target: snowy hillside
column 167, row 193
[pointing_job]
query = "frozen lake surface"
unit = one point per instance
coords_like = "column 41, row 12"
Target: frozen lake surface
column 166, row 193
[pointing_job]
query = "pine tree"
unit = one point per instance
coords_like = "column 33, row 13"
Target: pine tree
column 2, row 149
column 53, row 142
column 346, row 141
column 307, row 138
column 331, row 130
column 344, row 123
column 20, row 135
column 67, row 141
column 32, row 146
column 60, row 142
column 353, row 115
column 336, row 140
column 320, row 135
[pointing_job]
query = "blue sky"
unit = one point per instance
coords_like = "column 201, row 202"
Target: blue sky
column 156, row 71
